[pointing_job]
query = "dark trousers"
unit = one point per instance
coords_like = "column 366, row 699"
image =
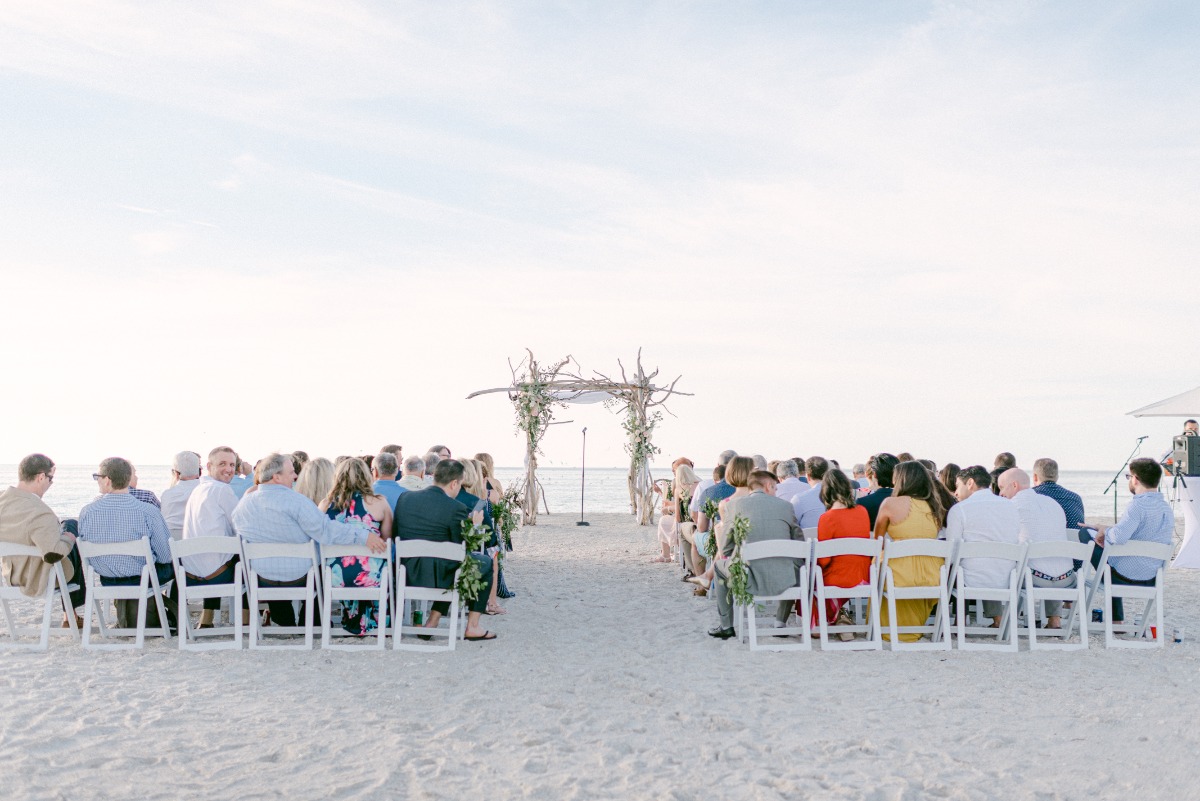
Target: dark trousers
column 1118, row 608
column 225, row 576
column 282, row 612
column 481, row 600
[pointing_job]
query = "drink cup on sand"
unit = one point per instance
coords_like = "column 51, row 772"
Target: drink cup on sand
column 1179, row 634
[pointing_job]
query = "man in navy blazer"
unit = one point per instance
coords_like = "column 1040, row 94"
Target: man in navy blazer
column 433, row 514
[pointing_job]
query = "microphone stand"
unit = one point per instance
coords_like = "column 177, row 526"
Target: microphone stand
column 582, row 478
column 1112, row 485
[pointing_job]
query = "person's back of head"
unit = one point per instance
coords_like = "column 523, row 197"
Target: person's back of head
column 836, row 488
column 787, row 469
column 1005, row 460
column 995, row 474
column 1147, row 471
column 719, row 473
column 737, row 473
column 974, row 478
column 186, row 465
column 762, row 480
column 431, row 463
column 1045, row 469
column 913, row 480
column 725, row 456
column 119, row 471
column 488, row 463
column 350, row 478
column 883, row 466
column 929, row 465
column 905, row 457
column 316, row 479
column 447, row 471
column 686, row 476
column 859, row 470
column 441, row 450
column 815, row 467
column 385, row 465
column 760, row 461
column 394, row 450
column 949, row 476
column 414, row 466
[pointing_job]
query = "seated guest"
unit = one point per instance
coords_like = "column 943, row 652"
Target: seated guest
column 842, row 518
column 719, row 491
column 982, row 516
column 209, row 513
column 1148, row 518
column 949, row 477
column 430, row 460
column 858, row 479
column 879, row 482
column 352, row 499
column 1005, row 460
column 770, row 519
column 116, row 516
column 145, row 496
column 912, row 511
column 315, row 479
column 185, row 472
column 1042, row 520
column 994, row 476
column 241, row 480
column 441, row 451
column 1045, row 482
column 760, row 461
column 722, row 462
column 790, row 485
column 299, row 460
column 395, row 450
column 277, row 513
column 737, row 475
column 807, row 505
column 905, row 456
column 474, row 496
column 413, row 477
column 25, row 519
column 799, row 462
column 433, row 514
column 384, row 471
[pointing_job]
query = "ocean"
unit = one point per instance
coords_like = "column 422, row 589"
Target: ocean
column 605, row 490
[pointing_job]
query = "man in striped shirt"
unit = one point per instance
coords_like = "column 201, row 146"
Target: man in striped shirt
column 1148, row 518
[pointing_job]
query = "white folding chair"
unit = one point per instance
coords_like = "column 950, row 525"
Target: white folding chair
column 97, row 595
column 378, row 594
column 309, row 594
column 1006, row 635
column 776, row 549
column 226, row 547
column 869, row 593
column 1152, row 595
column 809, row 533
column 56, row 589
column 939, row 631
column 1033, row 597
column 409, row 549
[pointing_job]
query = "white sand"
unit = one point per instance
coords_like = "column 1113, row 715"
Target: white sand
column 603, row 684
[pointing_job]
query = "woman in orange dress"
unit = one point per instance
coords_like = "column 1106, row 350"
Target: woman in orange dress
column 842, row 518
column 914, row 511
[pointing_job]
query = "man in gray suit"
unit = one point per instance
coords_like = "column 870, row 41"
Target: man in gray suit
column 770, row 518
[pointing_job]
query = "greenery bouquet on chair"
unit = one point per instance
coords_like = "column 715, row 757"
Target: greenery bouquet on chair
column 739, row 576
column 470, row 579
column 710, row 509
column 505, row 514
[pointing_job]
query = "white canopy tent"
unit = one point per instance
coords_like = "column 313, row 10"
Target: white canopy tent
column 1186, row 404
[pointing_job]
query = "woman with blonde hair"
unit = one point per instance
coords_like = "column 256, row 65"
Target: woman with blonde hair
column 495, row 491
column 352, row 498
column 737, row 474
column 316, row 479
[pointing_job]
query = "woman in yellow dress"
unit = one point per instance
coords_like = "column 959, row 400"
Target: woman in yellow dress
column 914, row 511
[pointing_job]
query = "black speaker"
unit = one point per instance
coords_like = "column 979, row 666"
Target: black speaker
column 1186, row 454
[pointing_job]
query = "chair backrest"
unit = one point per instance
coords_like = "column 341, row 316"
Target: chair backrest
column 1151, row 550
column 204, row 545
column 138, row 547
column 409, row 549
column 848, row 546
column 901, row 549
column 770, row 549
column 1009, row 551
column 13, row 549
column 338, row 551
column 809, row 533
column 267, row 550
column 1080, row 551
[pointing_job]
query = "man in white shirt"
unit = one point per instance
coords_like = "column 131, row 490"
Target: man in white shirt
column 1042, row 520
column 185, row 468
column 980, row 516
column 209, row 513
column 790, row 485
column 413, row 475
column 807, row 505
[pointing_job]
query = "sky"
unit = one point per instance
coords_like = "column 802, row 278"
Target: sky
column 949, row 228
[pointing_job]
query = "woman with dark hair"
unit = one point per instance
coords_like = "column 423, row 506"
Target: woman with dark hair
column 842, row 518
column 353, row 498
column 949, row 477
column 914, row 511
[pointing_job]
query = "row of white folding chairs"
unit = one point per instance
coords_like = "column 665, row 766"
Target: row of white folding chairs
column 1019, row 592
column 317, row 587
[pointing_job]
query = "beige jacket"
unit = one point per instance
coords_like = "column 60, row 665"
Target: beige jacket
column 25, row 519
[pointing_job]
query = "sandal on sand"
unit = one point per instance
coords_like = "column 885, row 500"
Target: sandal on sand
column 662, row 560
column 496, row 610
column 487, row 635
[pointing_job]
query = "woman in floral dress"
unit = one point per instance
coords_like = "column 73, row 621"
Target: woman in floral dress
column 353, row 499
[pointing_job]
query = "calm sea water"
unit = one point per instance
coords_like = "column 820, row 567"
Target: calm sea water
column 605, row 491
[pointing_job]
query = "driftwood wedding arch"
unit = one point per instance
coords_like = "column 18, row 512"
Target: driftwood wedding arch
column 537, row 389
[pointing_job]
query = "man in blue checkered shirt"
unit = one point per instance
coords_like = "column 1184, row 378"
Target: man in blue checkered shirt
column 1148, row 518
column 117, row 516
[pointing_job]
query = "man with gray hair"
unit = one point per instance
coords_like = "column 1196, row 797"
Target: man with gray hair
column 431, row 461
column 383, row 470
column 185, row 470
column 414, row 474
column 790, row 484
column 722, row 460
column 1045, row 482
column 277, row 513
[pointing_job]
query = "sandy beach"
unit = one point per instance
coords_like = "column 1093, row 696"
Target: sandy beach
column 603, row 684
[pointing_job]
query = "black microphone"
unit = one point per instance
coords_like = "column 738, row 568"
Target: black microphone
column 1142, row 438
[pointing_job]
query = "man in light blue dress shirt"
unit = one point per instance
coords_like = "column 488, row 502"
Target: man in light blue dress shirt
column 277, row 513
column 384, row 469
column 808, row 505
